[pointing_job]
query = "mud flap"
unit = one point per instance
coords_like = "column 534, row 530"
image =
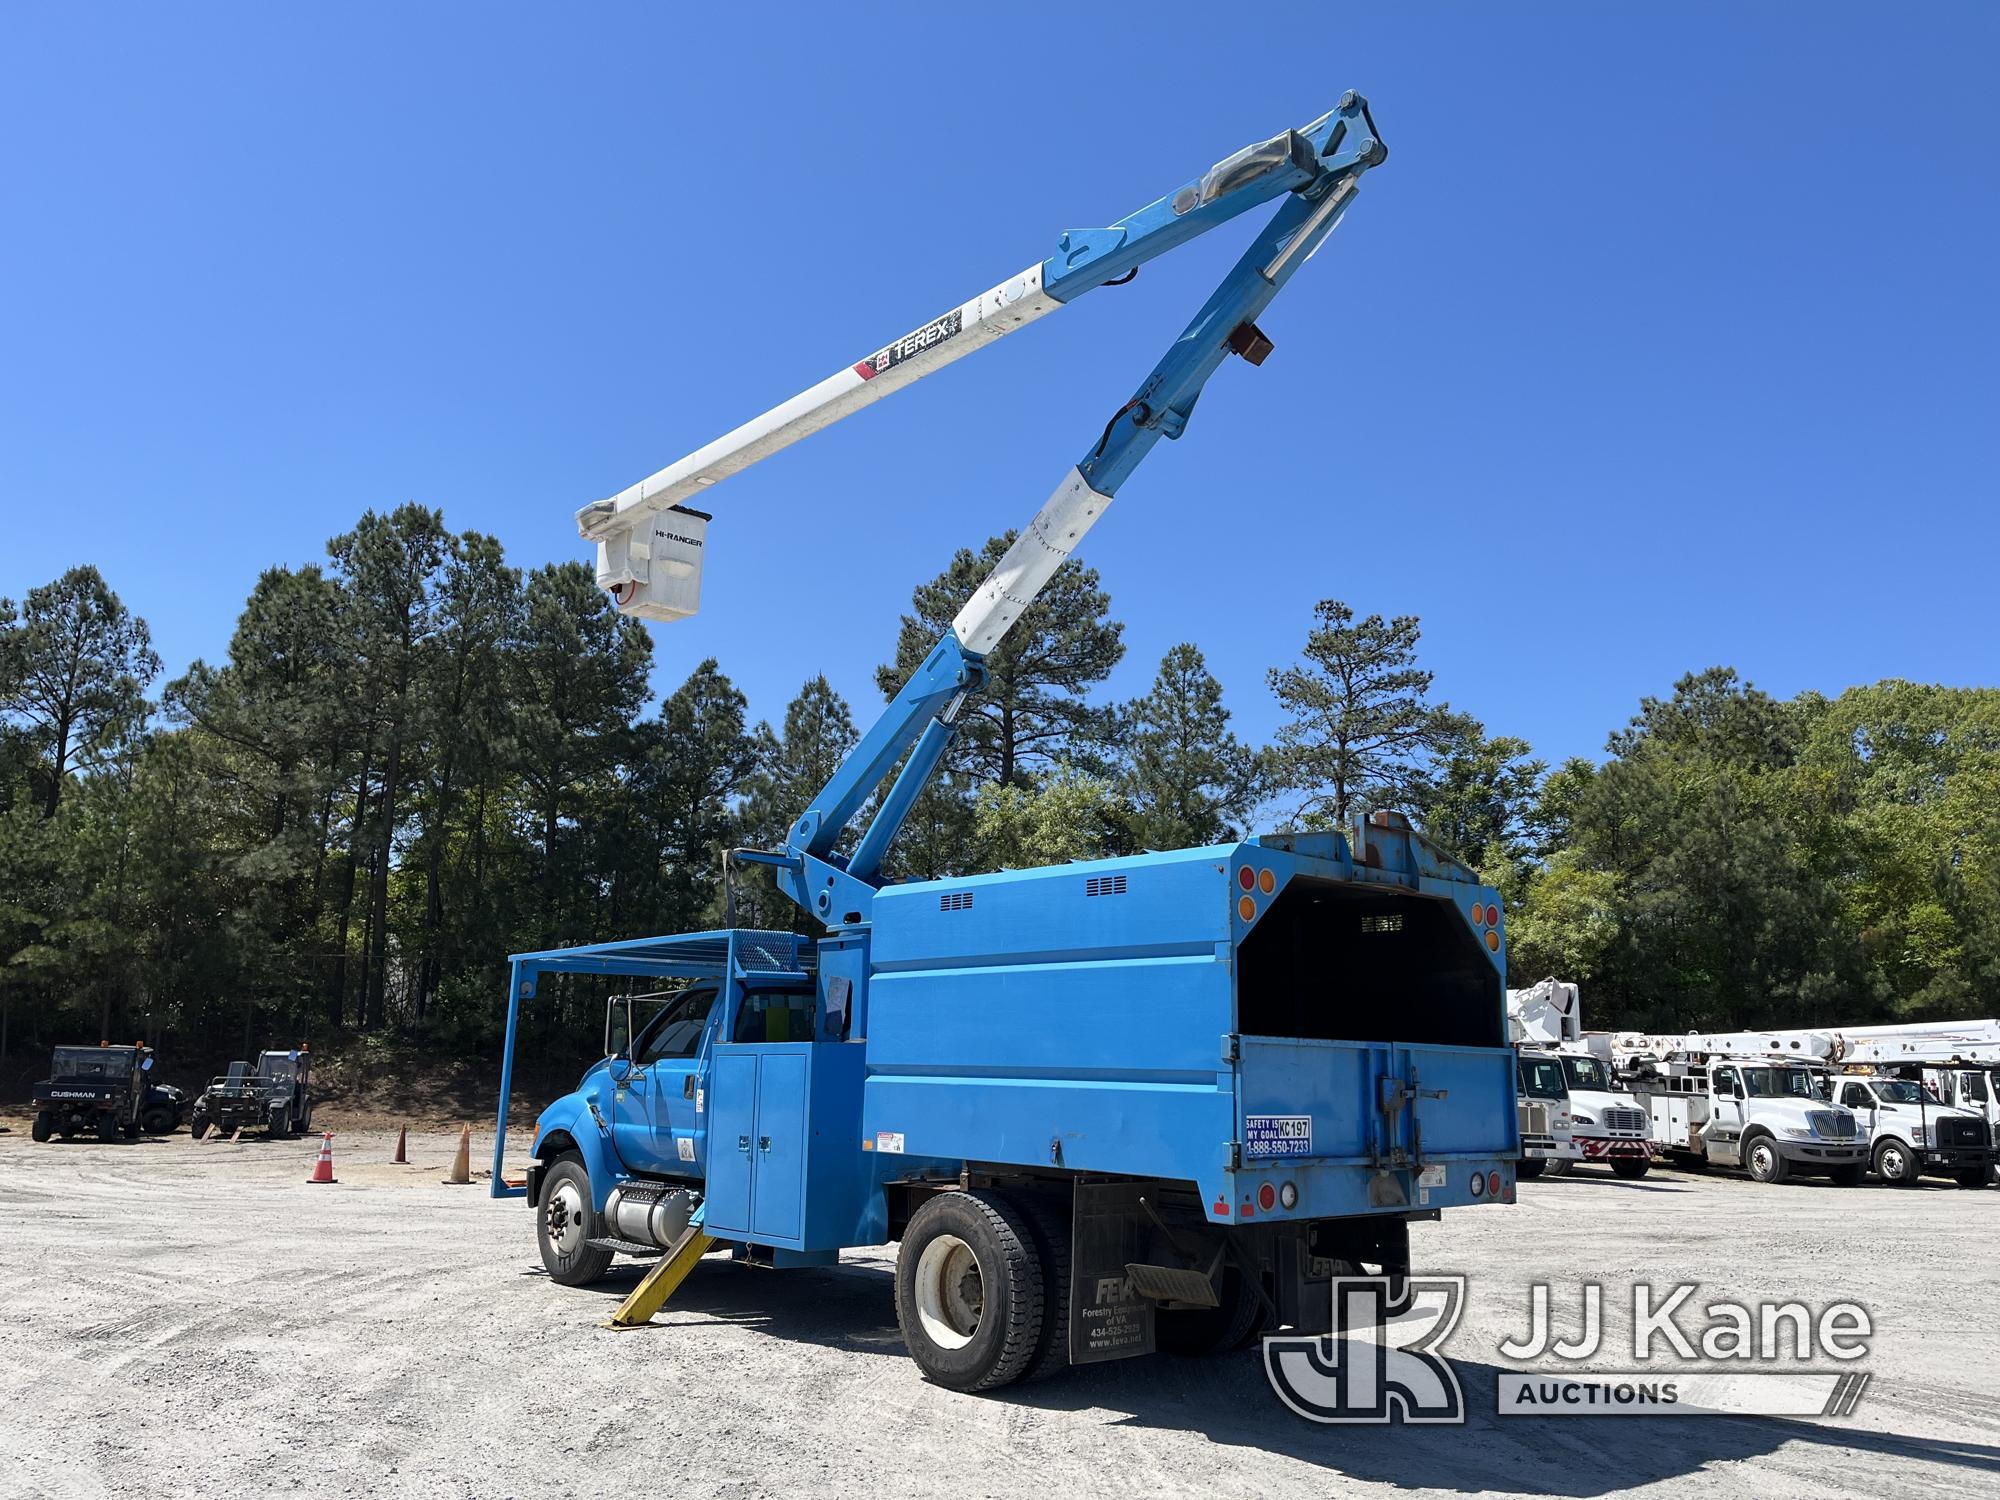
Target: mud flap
column 1108, row 1318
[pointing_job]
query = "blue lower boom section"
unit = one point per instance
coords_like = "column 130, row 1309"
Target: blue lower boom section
column 1293, row 1030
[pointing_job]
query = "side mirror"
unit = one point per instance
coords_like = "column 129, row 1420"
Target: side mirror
column 617, row 1025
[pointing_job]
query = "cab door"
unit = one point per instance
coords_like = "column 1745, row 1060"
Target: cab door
column 655, row 1120
column 1724, row 1136
column 1861, row 1099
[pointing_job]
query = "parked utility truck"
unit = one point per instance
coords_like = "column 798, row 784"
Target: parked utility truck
column 1606, row 1123
column 1732, row 1099
column 1121, row 1104
column 1548, row 1135
column 1922, row 1093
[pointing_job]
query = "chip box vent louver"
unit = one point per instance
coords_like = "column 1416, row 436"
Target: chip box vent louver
column 955, row 901
column 1104, row 885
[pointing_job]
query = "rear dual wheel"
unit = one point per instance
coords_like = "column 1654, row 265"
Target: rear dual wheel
column 970, row 1291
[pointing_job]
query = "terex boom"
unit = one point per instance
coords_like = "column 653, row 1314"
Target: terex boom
column 1156, row 1101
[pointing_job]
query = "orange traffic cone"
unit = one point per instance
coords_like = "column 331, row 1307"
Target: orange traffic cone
column 403, row 1147
column 323, row 1168
column 461, row 1164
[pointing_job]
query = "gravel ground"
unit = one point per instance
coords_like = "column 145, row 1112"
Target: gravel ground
column 185, row 1318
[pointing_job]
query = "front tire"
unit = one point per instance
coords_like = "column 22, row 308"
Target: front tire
column 44, row 1126
column 198, row 1128
column 969, row 1291
column 1561, row 1166
column 1631, row 1167
column 159, row 1122
column 1529, row 1166
column 1971, row 1177
column 107, row 1129
column 566, row 1222
column 1847, row 1176
column 1763, row 1162
column 1894, row 1164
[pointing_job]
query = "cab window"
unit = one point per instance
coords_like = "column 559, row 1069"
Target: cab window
column 677, row 1031
column 1725, row 1080
column 776, row 1016
column 1856, row 1096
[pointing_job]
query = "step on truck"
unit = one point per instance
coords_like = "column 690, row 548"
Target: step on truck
column 1729, row 1100
column 1120, row 1105
column 103, row 1091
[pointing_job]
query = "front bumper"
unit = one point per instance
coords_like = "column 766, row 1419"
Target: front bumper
column 1605, row 1148
column 1823, row 1153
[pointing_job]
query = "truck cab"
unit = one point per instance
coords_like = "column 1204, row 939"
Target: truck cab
column 1548, row 1137
column 1909, row 1131
column 101, row 1090
column 1610, row 1125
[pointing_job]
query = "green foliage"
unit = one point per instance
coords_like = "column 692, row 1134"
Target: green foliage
column 1358, row 720
column 1472, row 796
column 1063, row 814
column 1188, row 779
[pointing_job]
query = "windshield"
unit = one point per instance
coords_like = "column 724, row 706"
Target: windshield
column 1782, row 1083
column 277, row 1067
column 1542, row 1078
column 1589, row 1073
column 91, row 1062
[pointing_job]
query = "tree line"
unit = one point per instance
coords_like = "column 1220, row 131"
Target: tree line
column 416, row 757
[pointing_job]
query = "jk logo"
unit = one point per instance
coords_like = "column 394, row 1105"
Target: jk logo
column 1380, row 1362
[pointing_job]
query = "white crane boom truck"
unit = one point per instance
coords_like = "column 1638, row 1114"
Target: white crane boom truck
column 1755, row 1100
column 1606, row 1124
column 1548, row 1132
column 1922, row 1093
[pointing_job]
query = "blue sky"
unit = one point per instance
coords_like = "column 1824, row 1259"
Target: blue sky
column 1666, row 337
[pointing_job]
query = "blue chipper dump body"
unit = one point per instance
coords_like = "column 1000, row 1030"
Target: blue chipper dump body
column 1158, row 1101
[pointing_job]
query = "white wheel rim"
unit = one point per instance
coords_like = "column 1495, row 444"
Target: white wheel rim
column 1760, row 1154
column 951, row 1294
column 565, row 1218
column 1892, row 1159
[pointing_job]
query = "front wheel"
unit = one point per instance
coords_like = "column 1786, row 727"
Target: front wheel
column 1763, row 1162
column 198, row 1127
column 1895, row 1164
column 566, row 1223
column 1847, row 1176
column 1971, row 1177
column 969, row 1291
column 1561, row 1166
column 1630, row 1166
column 159, row 1121
column 1529, row 1166
column 44, row 1126
column 107, row 1128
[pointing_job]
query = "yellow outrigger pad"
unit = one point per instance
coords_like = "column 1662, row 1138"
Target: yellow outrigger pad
column 660, row 1283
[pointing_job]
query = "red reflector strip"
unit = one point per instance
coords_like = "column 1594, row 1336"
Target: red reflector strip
column 865, row 370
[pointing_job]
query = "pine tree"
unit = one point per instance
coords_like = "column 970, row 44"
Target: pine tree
column 1189, row 780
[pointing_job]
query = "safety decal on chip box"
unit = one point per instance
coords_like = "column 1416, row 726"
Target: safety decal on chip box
column 1277, row 1135
column 912, row 344
column 890, row 1141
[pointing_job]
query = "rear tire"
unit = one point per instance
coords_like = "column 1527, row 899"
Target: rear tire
column 107, row 1129
column 1630, row 1167
column 1847, row 1176
column 44, row 1126
column 1971, row 1177
column 1763, row 1162
column 969, row 1291
column 1529, row 1166
column 1050, row 1227
column 1894, row 1163
column 566, row 1222
column 159, row 1122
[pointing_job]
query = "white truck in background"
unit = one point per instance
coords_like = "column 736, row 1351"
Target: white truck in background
column 1923, row 1093
column 1606, row 1123
column 1548, row 1137
column 1744, row 1099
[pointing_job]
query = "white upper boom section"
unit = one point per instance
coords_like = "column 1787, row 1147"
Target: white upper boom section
column 973, row 325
